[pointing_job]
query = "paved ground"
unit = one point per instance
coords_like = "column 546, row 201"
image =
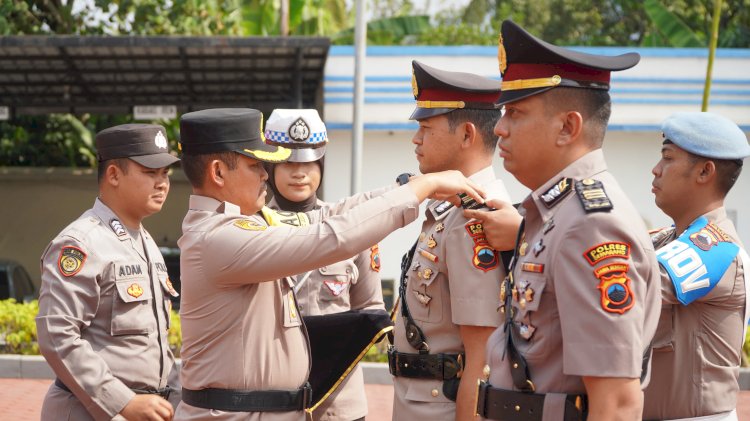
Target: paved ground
column 21, row 400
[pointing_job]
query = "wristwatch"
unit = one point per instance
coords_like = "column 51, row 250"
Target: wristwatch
column 403, row 178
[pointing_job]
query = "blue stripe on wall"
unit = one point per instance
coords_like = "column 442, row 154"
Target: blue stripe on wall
column 474, row 50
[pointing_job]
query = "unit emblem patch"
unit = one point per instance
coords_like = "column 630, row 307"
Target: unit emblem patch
column 617, row 297
column 71, row 260
column 485, row 257
column 709, row 236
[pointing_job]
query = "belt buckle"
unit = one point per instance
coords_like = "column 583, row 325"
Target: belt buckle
column 481, row 388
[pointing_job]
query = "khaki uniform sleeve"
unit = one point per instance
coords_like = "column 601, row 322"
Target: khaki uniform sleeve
column 343, row 205
column 367, row 292
column 602, row 303
column 239, row 256
column 474, row 274
column 67, row 305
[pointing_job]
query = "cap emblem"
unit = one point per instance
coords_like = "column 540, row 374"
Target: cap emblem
column 414, row 86
column 501, row 56
column 299, row 131
column 160, row 141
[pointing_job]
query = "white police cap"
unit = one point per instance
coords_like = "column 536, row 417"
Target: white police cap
column 706, row 134
column 302, row 131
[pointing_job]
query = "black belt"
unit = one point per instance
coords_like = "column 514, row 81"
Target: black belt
column 509, row 405
column 250, row 400
column 164, row 393
column 425, row 366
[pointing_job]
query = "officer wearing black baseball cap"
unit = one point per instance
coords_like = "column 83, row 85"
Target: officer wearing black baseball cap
column 106, row 291
column 145, row 144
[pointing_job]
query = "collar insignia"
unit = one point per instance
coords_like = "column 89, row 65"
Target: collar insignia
column 557, row 192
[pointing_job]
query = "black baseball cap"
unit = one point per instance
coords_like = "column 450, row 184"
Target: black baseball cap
column 228, row 129
column 145, row 144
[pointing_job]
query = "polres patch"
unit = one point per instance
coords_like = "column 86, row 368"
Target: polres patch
column 603, row 251
column 71, row 260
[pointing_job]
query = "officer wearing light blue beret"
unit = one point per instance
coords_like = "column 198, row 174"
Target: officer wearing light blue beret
column 698, row 344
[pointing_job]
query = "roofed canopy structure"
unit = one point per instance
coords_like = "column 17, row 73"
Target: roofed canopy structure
column 111, row 75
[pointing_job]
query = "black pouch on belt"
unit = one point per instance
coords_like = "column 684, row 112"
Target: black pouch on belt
column 450, row 388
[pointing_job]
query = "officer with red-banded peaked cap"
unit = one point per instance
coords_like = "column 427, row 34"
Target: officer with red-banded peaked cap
column 531, row 66
column 441, row 91
column 581, row 302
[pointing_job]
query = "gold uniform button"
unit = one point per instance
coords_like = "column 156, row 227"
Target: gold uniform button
column 434, row 393
column 486, row 371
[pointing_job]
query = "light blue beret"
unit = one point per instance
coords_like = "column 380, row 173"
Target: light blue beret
column 706, row 134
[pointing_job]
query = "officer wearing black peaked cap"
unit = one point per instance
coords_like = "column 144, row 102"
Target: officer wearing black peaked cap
column 581, row 301
column 244, row 349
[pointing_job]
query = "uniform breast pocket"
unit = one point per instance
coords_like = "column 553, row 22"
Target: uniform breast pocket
column 425, row 294
column 336, row 279
column 132, row 312
column 664, row 331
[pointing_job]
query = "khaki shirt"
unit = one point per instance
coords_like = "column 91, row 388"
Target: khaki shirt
column 351, row 284
column 697, row 347
column 573, row 314
column 446, row 289
column 240, row 325
column 103, row 317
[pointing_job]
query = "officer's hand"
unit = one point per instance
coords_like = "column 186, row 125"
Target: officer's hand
column 148, row 408
column 445, row 185
column 500, row 225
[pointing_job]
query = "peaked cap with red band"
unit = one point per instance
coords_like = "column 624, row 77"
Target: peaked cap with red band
column 530, row 66
column 440, row 91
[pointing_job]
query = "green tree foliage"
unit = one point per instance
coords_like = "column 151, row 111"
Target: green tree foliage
column 17, row 327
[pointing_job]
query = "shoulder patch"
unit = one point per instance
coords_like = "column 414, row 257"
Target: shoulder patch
column 71, row 260
column 592, row 196
column 278, row 217
column 485, row 257
column 557, row 192
column 614, row 285
column 375, row 258
column 249, row 225
column 603, row 251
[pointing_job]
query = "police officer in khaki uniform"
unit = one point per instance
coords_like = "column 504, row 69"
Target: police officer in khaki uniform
column 449, row 293
column 245, row 355
column 698, row 344
column 351, row 284
column 104, row 304
column 581, row 301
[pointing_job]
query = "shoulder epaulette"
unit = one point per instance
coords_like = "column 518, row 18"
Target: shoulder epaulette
column 592, row 196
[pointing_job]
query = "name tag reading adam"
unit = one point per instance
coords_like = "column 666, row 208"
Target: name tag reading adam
column 697, row 259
